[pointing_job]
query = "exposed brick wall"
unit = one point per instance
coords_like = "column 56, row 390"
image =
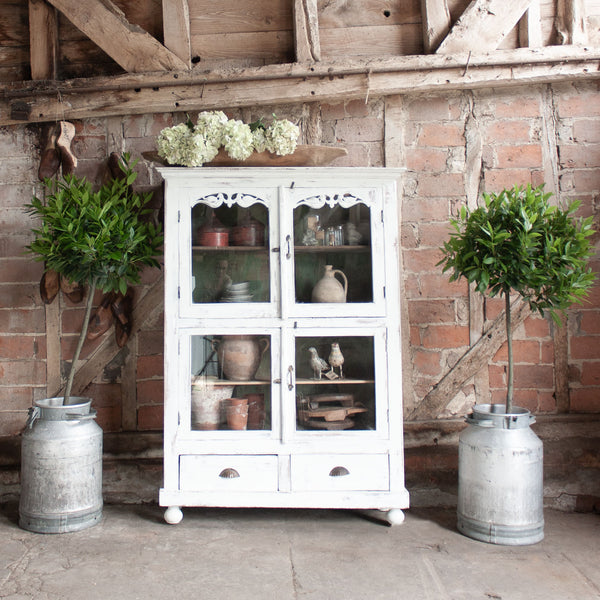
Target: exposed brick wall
column 516, row 145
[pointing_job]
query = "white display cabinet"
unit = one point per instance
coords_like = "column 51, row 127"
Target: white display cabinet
column 283, row 384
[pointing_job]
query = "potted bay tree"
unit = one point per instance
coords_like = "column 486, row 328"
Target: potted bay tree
column 515, row 244
column 100, row 240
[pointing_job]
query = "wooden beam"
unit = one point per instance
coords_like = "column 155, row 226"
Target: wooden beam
column 483, row 25
column 530, row 27
column 145, row 309
column 436, row 23
column 43, row 40
column 306, row 31
column 571, row 21
column 130, row 46
column 476, row 358
column 292, row 83
column 176, row 29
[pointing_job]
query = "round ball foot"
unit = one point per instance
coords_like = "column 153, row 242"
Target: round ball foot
column 395, row 516
column 173, row 515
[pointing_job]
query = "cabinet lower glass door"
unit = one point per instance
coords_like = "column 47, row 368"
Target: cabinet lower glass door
column 230, row 383
column 230, row 257
column 335, row 383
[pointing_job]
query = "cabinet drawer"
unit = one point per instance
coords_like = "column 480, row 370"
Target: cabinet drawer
column 228, row 472
column 340, row 472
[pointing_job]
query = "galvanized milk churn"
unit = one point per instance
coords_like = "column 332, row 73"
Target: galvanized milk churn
column 500, row 477
column 61, row 467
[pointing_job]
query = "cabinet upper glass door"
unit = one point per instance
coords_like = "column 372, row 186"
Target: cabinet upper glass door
column 337, row 248
column 229, row 262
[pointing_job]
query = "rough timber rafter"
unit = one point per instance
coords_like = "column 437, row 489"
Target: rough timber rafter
column 483, row 25
column 128, row 45
column 292, row 83
column 43, row 40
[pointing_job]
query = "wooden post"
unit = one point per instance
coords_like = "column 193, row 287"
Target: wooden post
column 43, row 40
column 436, row 23
column 176, row 29
column 306, row 31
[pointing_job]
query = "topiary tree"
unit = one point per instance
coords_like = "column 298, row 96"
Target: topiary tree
column 100, row 239
column 518, row 243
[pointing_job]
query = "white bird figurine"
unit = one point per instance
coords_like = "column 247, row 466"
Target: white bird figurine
column 336, row 358
column 317, row 363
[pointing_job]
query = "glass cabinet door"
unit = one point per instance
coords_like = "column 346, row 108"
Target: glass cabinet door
column 230, row 381
column 335, row 252
column 229, row 259
column 337, row 383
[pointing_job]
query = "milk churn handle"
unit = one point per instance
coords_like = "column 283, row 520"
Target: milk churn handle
column 87, row 417
column 33, row 414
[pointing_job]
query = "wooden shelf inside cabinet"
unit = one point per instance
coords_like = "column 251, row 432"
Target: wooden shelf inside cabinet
column 332, row 381
column 230, row 248
column 326, row 249
column 222, row 382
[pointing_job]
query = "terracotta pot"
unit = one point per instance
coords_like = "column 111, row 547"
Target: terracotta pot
column 328, row 288
column 256, row 410
column 237, row 413
column 240, row 355
column 249, row 233
column 206, row 402
column 213, row 238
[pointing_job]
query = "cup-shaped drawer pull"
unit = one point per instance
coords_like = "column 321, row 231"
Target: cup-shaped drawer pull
column 229, row 473
column 339, row 472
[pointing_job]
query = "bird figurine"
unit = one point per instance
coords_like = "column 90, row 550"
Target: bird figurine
column 336, row 358
column 317, row 364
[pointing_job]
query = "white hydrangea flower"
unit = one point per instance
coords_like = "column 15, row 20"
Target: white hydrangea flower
column 282, row 137
column 237, row 139
column 259, row 140
column 210, row 124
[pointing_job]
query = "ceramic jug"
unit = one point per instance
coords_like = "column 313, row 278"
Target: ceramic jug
column 239, row 355
column 328, row 288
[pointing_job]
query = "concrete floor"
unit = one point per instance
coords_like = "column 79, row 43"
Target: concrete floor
column 216, row 554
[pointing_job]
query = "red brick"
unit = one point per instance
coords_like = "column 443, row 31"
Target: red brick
column 582, row 104
column 20, row 270
column 445, row 336
column 537, row 327
column 421, row 260
column 408, row 239
column 332, row 112
column 579, row 156
column 427, row 363
column 19, row 397
column 497, row 376
column 104, row 395
column 586, row 131
column 150, row 391
column 434, row 234
column 150, row 418
column 585, row 400
column 426, row 159
column 526, row 107
column 534, row 376
column 519, row 156
column 428, row 109
column 20, row 295
column 590, row 322
column 444, row 185
column 150, row 342
column 22, row 320
column 590, row 373
column 109, row 418
column 526, row 399
column 150, row 366
column 22, row 346
column 586, row 180
column 442, row 135
column 439, row 286
column 493, row 307
column 498, row 179
column 424, row 312
column 509, row 131
column 547, row 352
column 23, row 372
column 369, row 129
column 585, row 347
column 524, row 352
column 424, row 209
